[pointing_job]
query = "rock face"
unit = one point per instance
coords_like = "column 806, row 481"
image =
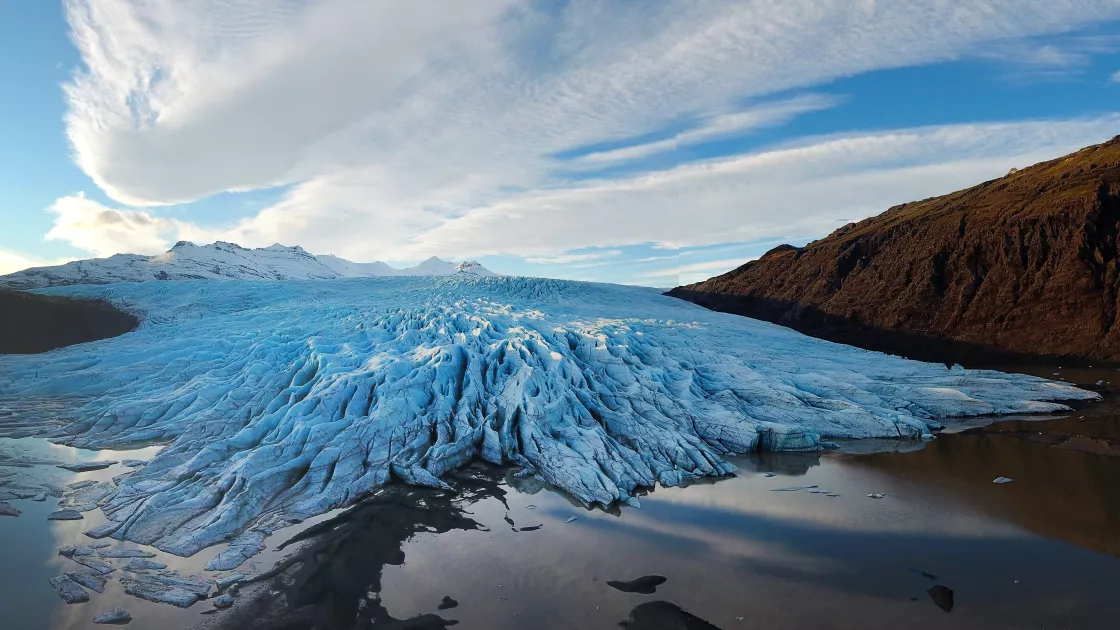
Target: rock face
column 1023, row 267
column 37, row 323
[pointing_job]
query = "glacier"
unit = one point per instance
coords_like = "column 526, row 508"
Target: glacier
column 279, row 401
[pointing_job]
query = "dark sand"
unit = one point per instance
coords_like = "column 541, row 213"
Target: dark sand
column 31, row 323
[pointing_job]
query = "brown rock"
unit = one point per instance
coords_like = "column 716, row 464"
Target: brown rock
column 1019, row 268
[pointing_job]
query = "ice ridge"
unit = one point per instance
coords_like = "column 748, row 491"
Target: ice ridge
column 279, row 401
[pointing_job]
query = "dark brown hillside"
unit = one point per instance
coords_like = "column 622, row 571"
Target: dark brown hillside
column 31, row 323
column 1023, row 267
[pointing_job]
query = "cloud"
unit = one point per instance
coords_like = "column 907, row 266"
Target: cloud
column 1058, row 58
column 567, row 259
column 400, row 118
column 12, row 261
column 694, row 272
column 806, row 189
column 1116, row 77
column 103, row 231
column 720, row 126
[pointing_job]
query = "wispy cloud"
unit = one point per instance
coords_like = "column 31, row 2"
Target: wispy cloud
column 406, row 125
column 805, row 189
column 694, row 272
column 13, row 261
column 1116, row 77
column 103, row 231
column 570, row 258
column 1058, row 58
column 720, row 126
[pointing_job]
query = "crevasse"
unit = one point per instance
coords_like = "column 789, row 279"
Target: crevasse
column 278, row 401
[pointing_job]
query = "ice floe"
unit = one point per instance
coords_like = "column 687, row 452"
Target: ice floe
column 279, row 401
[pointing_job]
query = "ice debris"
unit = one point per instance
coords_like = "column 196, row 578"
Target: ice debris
column 70, row 591
column 126, row 553
column 140, row 564
column 166, row 588
column 225, row 600
column 877, row 495
column 146, row 588
column 1002, row 480
column 81, row 467
column 241, row 549
column 88, row 579
column 306, row 396
column 65, row 515
column 89, row 562
column 6, row 509
column 113, row 615
column 793, row 488
column 229, row 580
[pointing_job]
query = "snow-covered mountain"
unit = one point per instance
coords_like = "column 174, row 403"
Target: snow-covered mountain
column 280, row 401
column 224, row 261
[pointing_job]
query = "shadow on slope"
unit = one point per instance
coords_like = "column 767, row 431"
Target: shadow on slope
column 31, row 323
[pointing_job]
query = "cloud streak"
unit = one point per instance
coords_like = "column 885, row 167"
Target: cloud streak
column 404, row 128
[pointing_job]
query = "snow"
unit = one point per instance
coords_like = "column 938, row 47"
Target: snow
column 279, row 401
column 224, row 261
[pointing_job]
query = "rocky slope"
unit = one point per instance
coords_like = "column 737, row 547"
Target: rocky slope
column 37, row 323
column 224, row 261
column 1020, row 268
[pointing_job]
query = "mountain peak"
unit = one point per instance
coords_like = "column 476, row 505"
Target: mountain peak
column 224, row 260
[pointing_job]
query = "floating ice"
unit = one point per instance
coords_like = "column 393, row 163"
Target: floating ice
column 116, row 615
column 69, row 590
column 280, row 401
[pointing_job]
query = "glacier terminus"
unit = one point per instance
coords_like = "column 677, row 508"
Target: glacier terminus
column 279, row 401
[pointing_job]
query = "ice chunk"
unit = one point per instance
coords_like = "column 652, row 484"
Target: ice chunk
column 126, row 553
column 307, row 396
column 240, row 550
column 113, row 615
column 6, row 509
column 225, row 600
column 65, row 515
column 228, row 580
column 140, row 564
column 92, row 581
column 69, row 590
column 145, row 587
column 1002, row 480
column 93, row 563
column 87, row 466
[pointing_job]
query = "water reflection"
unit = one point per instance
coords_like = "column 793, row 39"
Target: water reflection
column 727, row 553
column 511, row 554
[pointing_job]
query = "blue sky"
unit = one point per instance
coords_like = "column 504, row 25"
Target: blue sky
column 653, row 143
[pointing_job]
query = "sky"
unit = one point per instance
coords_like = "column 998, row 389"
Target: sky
column 652, row 142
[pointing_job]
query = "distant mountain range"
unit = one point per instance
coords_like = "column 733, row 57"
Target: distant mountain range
column 1025, row 266
column 224, row 261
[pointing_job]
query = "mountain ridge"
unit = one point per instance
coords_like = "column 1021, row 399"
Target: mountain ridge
column 1024, row 267
column 224, row 261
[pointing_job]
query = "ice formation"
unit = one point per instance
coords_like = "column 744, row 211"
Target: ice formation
column 282, row 400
